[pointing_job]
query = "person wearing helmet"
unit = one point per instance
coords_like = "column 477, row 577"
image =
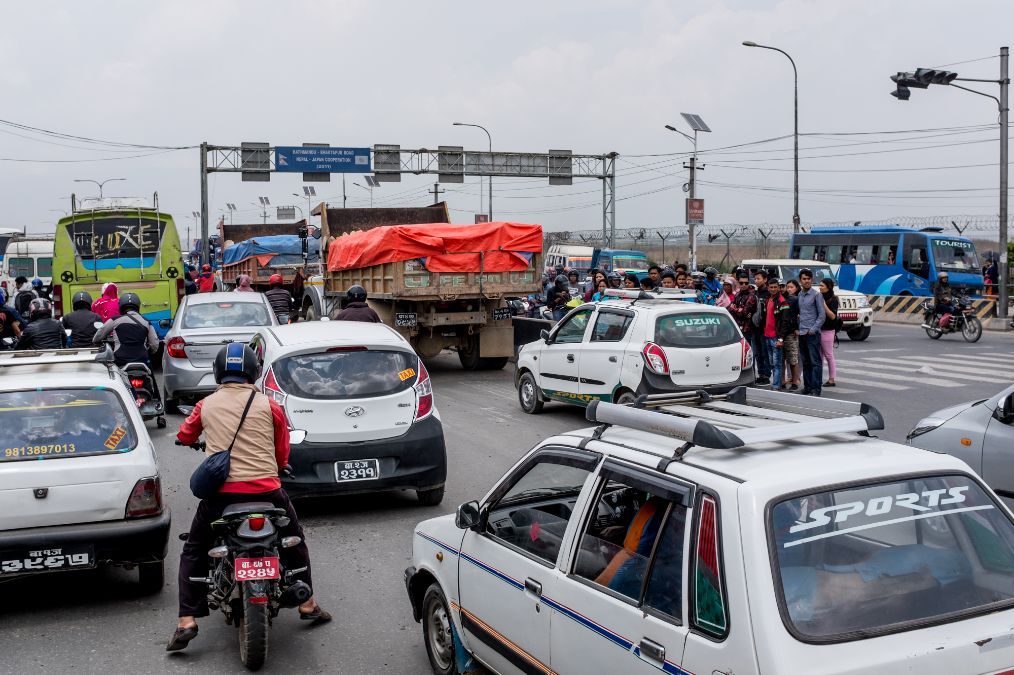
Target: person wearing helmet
column 43, row 332
column 206, row 280
column 239, row 416
column 943, row 299
column 615, row 280
column 558, row 296
column 107, row 306
column 133, row 337
column 81, row 322
column 40, row 289
column 356, row 308
column 279, row 297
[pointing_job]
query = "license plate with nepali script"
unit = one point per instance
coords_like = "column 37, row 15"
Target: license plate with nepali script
column 251, row 569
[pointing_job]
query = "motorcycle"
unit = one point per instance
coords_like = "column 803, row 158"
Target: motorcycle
column 142, row 382
column 247, row 581
column 963, row 320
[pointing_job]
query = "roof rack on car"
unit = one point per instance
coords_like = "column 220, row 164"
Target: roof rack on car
column 742, row 417
column 38, row 357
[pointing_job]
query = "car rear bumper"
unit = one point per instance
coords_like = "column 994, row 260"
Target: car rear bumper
column 184, row 380
column 416, row 460
column 663, row 384
column 119, row 542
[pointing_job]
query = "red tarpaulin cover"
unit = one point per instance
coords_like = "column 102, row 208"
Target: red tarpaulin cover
column 447, row 248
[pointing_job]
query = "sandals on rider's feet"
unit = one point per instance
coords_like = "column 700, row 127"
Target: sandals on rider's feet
column 181, row 638
column 317, row 615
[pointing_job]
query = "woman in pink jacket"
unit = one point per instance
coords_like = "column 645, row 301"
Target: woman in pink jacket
column 107, row 306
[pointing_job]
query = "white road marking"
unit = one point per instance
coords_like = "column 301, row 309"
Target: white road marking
column 936, row 370
column 935, row 382
column 867, row 384
column 984, row 369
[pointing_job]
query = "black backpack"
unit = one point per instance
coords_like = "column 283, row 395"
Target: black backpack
column 22, row 300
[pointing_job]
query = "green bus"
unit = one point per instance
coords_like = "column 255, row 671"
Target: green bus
column 128, row 242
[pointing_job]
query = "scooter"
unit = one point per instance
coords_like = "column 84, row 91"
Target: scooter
column 142, row 381
column 963, row 320
column 247, row 581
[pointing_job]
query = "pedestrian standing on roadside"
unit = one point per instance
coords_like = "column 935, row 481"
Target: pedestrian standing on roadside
column 790, row 345
column 775, row 329
column 812, row 314
column 743, row 307
column 829, row 330
column 631, row 281
column 760, row 278
column 991, row 276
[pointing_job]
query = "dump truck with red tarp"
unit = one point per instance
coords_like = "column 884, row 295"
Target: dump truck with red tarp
column 440, row 285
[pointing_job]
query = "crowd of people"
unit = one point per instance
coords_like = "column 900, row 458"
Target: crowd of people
column 791, row 325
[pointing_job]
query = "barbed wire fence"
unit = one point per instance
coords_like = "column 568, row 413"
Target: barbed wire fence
column 726, row 245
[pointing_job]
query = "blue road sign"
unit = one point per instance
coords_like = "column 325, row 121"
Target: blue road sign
column 311, row 159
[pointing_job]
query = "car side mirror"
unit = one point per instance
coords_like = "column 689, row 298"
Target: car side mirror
column 545, row 336
column 165, row 323
column 1004, row 412
column 296, row 436
column 467, row 515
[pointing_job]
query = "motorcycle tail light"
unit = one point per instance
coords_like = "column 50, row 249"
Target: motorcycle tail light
column 218, row 552
column 256, row 523
column 289, row 542
column 136, row 382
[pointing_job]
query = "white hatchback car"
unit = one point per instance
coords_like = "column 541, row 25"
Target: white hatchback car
column 752, row 532
column 363, row 399
column 79, row 482
column 634, row 343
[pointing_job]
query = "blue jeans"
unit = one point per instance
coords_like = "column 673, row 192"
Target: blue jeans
column 813, row 369
column 760, row 352
column 775, row 361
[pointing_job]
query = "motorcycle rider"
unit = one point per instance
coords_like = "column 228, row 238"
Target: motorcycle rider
column 357, row 309
column 133, row 337
column 23, row 295
column 943, row 299
column 206, row 280
column 259, row 453
column 40, row 289
column 278, row 297
column 43, row 332
column 81, row 322
column 711, row 286
column 557, row 297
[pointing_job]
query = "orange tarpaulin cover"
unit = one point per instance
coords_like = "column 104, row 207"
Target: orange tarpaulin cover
column 446, row 248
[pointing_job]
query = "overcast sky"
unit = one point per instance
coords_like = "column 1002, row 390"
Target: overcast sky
column 593, row 76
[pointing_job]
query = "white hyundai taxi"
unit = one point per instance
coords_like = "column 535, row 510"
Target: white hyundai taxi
column 752, row 532
column 79, row 482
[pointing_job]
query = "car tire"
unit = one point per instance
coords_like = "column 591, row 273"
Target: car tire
column 438, row 632
column 626, row 397
column 528, row 394
column 430, row 497
column 151, row 577
column 859, row 334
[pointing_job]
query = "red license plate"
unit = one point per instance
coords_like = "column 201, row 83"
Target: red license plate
column 249, row 569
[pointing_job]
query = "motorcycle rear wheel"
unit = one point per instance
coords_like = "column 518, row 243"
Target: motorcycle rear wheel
column 971, row 330
column 253, row 633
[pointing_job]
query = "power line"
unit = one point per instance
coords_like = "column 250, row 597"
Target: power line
column 86, row 139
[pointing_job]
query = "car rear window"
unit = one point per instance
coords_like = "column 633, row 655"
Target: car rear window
column 861, row 560
column 343, row 374
column 54, row 423
column 696, row 329
column 225, row 314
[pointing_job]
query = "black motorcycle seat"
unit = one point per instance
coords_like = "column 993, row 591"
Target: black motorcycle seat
column 244, row 508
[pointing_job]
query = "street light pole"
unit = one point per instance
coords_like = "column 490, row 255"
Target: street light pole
column 489, row 202
column 100, row 183
column 795, row 133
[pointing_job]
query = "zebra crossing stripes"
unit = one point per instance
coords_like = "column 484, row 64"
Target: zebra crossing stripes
column 957, row 372
column 900, row 373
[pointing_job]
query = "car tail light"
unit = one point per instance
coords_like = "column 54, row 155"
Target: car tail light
column 271, row 388
column 423, row 393
column 654, row 358
column 57, row 301
column 256, row 523
column 174, row 348
column 145, row 499
column 181, row 288
column 746, row 360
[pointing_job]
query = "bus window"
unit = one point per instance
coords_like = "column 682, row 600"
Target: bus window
column 45, row 267
column 834, row 254
column 955, row 255
column 886, row 255
column 805, row 253
column 916, row 260
column 21, row 267
column 863, row 254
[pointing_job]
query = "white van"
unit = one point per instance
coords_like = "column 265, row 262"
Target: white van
column 579, row 257
column 28, row 257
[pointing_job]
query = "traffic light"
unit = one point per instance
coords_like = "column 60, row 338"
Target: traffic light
column 929, row 76
column 902, row 92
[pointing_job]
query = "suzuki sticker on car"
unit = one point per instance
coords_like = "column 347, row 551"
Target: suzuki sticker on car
column 698, row 321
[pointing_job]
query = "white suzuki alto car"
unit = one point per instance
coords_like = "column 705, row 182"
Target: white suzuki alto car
column 79, row 483
column 630, row 344
column 752, row 532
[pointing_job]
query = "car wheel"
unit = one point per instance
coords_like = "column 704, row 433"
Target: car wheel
column 859, row 334
column 528, row 394
column 151, row 576
column 438, row 632
column 430, row 497
column 626, row 398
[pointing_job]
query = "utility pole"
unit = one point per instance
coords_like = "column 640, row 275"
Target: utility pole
column 436, row 192
column 691, row 227
column 205, row 253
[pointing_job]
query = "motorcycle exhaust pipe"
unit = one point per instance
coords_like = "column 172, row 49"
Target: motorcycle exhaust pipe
column 295, row 595
column 926, row 325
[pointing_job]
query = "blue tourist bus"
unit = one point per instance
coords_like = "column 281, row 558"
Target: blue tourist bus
column 891, row 260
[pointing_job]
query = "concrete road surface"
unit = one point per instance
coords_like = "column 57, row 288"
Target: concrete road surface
column 96, row 622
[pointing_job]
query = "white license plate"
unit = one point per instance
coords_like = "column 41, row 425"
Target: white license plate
column 47, row 559
column 356, row 469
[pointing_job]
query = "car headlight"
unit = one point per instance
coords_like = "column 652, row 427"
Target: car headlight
column 924, row 425
column 862, row 302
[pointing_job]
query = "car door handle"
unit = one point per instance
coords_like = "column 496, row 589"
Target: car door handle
column 534, row 587
column 570, row 358
column 652, row 651
column 612, row 359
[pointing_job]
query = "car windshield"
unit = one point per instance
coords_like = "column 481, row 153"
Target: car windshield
column 695, row 330
column 955, row 254
column 878, row 557
column 345, row 374
column 820, row 273
column 54, row 423
column 225, row 315
column 630, row 263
